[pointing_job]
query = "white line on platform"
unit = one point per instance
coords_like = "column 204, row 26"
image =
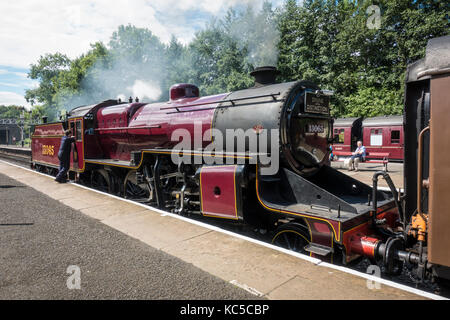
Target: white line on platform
column 315, row 261
column 247, row 288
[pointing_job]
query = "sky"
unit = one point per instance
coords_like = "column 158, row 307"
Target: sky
column 31, row 28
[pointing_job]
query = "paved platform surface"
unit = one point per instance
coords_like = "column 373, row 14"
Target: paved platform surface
column 71, row 225
column 40, row 238
column 366, row 170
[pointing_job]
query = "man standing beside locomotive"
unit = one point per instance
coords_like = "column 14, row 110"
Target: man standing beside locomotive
column 64, row 156
column 357, row 156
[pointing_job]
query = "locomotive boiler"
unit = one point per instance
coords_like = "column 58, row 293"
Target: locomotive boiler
column 129, row 149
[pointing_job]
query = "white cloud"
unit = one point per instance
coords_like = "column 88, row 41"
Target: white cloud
column 19, row 74
column 7, row 84
column 29, row 28
column 16, row 79
column 9, row 98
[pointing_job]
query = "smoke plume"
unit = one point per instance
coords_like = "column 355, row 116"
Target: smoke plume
column 138, row 64
column 258, row 33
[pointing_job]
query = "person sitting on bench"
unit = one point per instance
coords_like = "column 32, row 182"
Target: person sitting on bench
column 357, row 156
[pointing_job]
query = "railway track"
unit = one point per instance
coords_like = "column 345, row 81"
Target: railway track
column 22, row 158
column 16, row 155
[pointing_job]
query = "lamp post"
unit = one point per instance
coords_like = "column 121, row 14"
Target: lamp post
column 30, row 123
column 21, row 126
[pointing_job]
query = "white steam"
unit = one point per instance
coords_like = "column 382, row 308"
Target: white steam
column 138, row 63
column 121, row 97
column 142, row 90
column 258, row 33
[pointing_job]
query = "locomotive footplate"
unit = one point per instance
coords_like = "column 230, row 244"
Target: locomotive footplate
column 332, row 205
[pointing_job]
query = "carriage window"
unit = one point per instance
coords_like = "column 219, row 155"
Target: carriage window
column 376, row 137
column 395, row 136
column 339, row 133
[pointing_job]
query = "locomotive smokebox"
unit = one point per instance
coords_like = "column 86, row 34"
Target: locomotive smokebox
column 264, row 75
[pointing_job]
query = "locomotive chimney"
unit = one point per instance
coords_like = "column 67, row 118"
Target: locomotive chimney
column 44, row 119
column 264, row 75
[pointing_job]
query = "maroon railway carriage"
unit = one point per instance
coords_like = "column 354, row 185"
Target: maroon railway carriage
column 133, row 149
column 346, row 132
column 383, row 137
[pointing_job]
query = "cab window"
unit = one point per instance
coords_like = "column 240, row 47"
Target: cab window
column 78, row 131
column 72, row 128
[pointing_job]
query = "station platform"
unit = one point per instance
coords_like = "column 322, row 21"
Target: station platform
column 15, row 152
column 223, row 265
column 16, row 147
column 366, row 171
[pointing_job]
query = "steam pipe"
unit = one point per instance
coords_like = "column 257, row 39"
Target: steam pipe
column 388, row 180
column 231, row 101
column 420, row 173
column 157, row 181
column 149, row 182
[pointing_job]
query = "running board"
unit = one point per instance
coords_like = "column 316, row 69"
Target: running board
column 318, row 249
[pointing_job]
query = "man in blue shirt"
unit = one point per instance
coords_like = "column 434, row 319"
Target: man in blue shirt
column 64, row 156
column 357, row 156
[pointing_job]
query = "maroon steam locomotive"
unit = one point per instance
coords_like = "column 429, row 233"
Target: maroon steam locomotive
column 129, row 149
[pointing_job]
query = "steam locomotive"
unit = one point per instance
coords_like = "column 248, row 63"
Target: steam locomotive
column 136, row 150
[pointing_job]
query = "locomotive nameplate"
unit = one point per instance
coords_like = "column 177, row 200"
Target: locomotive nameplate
column 317, row 103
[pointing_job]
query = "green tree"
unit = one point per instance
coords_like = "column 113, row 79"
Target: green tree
column 70, row 81
column 330, row 43
column 325, row 41
column 46, row 71
column 219, row 63
column 179, row 66
column 11, row 111
column 288, row 25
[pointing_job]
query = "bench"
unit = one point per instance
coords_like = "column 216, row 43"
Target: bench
column 384, row 155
